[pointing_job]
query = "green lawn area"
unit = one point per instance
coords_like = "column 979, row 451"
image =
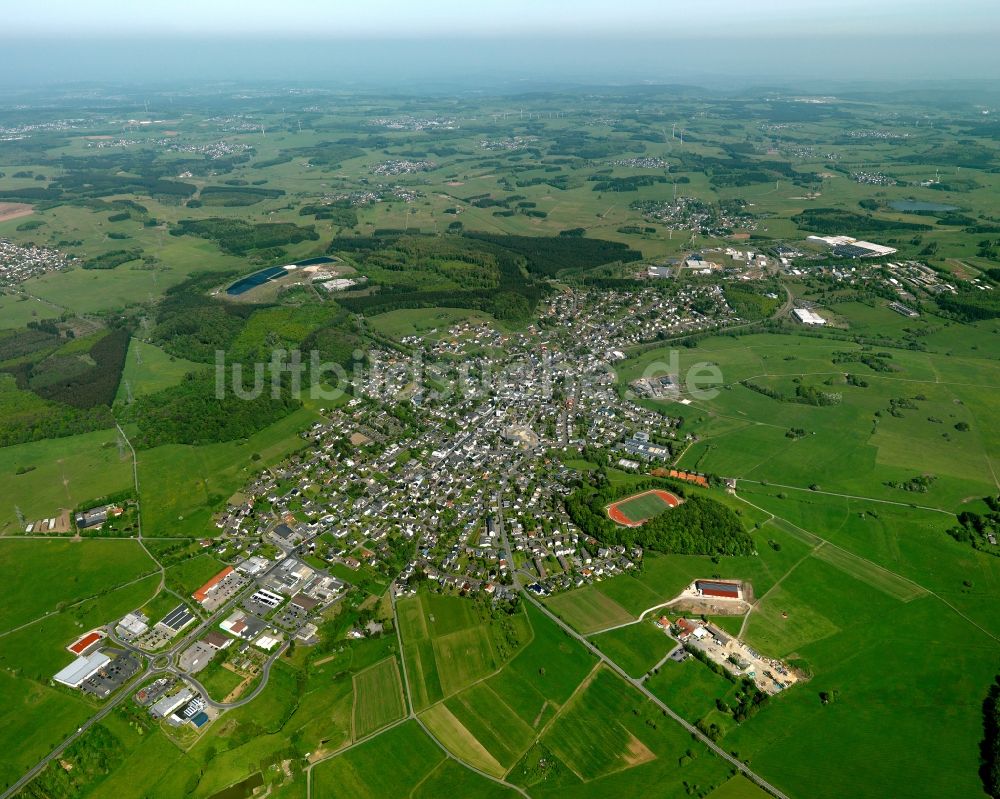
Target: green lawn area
column 217, row 680
column 60, row 473
column 189, row 575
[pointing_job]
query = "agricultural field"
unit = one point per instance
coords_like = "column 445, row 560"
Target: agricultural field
column 588, row 609
column 446, row 646
column 362, row 772
column 635, row 647
column 378, row 697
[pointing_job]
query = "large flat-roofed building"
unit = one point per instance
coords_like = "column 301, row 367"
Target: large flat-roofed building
column 849, row 247
column 177, row 619
column 208, row 588
column 807, row 317
column 81, row 668
column 169, row 704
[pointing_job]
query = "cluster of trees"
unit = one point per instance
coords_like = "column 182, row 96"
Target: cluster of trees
column 340, row 213
column 836, row 221
column 804, row 395
column 975, row 528
column 970, row 304
column 920, row 484
column 876, row 361
column 630, row 183
column 990, row 746
column 238, row 237
column 93, row 756
column 493, row 278
column 236, row 196
column 698, row 526
column 22, row 421
column 102, row 184
column 751, row 302
column 190, row 413
column 98, row 384
column 109, row 260
column 548, row 255
column 193, row 326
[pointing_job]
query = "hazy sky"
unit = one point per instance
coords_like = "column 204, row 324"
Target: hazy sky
column 415, row 18
column 495, row 42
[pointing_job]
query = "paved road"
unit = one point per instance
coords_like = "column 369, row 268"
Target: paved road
column 638, row 683
column 34, row 771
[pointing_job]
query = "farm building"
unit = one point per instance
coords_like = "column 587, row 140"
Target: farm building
column 720, row 588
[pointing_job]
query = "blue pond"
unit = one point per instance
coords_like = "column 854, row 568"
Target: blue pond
column 917, row 205
column 256, row 279
column 244, row 285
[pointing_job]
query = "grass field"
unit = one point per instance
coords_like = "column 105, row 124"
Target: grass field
column 183, row 485
column 637, row 647
column 149, row 369
column 189, row 575
column 33, row 716
column 856, row 446
column 378, row 697
column 60, row 473
column 446, row 646
column 690, row 687
column 43, row 576
column 452, row 779
column 422, row 321
column 218, row 681
column 739, row 787
column 391, row 764
column 878, row 653
column 588, row 735
column 588, row 610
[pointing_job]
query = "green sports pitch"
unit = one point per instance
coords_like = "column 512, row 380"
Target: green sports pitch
column 633, row 511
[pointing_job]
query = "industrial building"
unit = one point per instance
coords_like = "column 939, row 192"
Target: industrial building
column 806, row 317
column 81, row 668
column 847, row 247
column 212, row 585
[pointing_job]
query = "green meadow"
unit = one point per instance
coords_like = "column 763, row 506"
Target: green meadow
column 60, row 473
